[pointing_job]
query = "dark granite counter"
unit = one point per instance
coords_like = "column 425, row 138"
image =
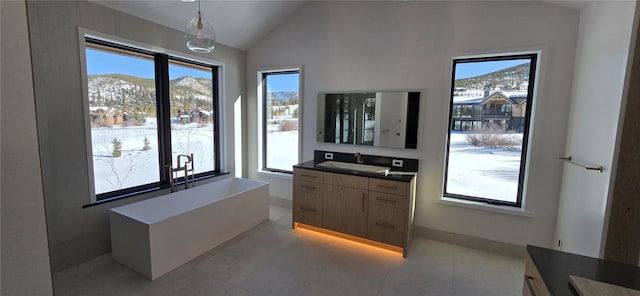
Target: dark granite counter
column 556, row 266
column 311, row 165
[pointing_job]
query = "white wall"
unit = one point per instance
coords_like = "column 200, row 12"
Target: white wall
column 601, row 61
column 77, row 234
column 409, row 45
column 24, row 256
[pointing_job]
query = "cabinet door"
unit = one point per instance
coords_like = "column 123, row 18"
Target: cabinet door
column 386, row 225
column 307, row 208
column 344, row 210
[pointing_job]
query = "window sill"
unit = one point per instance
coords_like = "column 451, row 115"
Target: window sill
column 486, row 207
column 270, row 174
column 156, row 191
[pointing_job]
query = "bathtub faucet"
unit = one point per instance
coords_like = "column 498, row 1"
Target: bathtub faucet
column 185, row 167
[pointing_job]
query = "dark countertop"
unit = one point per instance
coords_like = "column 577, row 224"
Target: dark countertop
column 310, row 165
column 556, row 266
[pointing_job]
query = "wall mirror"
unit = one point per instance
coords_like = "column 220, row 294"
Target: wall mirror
column 380, row 119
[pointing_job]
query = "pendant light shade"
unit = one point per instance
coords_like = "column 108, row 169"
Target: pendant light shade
column 199, row 34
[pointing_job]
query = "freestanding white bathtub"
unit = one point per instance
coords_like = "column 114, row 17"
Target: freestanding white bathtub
column 156, row 235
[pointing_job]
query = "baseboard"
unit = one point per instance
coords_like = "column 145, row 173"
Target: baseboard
column 471, row 242
column 281, row 202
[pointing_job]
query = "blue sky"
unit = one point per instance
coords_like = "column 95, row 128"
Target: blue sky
column 466, row 70
column 101, row 62
column 283, row 82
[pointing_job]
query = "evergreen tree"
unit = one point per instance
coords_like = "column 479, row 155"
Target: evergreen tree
column 117, row 147
column 147, row 144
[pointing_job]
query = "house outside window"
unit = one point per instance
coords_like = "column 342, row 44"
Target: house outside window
column 489, row 128
column 280, row 113
column 136, row 102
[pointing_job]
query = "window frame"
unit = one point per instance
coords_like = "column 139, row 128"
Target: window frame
column 215, row 116
column 163, row 117
column 263, row 117
column 534, row 59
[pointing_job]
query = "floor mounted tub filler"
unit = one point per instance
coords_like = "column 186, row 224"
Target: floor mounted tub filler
column 156, row 235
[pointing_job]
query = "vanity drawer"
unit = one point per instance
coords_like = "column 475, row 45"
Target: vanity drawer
column 393, row 187
column 386, row 225
column 533, row 283
column 307, row 208
column 307, row 175
column 346, row 181
column 388, row 200
column 310, row 187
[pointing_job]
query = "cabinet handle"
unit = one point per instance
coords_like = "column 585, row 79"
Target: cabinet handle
column 386, row 199
column 364, row 195
column 388, row 187
column 308, row 176
column 308, row 187
column 308, row 209
column 385, row 225
column 530, row 284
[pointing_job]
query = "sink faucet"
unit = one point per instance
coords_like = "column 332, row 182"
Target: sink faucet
column 359, row 158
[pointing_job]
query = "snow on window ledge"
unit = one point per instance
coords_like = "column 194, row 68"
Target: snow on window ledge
column 486, row 207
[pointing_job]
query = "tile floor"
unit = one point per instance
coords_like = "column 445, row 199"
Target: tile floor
column 271, row 259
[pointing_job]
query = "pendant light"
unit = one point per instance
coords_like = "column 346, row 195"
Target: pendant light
column 200, row 35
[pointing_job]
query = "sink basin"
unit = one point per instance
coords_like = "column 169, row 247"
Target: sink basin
column 354, row 167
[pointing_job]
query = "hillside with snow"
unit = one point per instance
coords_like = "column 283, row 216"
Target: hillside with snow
column 134, row 94
column 512, row 78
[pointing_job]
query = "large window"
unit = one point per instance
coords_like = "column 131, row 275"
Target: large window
column 491, row 99
column 280, row 101
column 145, row 109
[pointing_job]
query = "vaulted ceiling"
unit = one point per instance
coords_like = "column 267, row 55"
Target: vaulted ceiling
column 239, row 24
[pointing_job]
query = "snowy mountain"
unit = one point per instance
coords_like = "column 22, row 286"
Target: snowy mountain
column 200, row 85
column 137, row 95
column 283, row 95
column 512, row 78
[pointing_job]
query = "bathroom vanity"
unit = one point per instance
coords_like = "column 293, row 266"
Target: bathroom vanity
column 372, row 201
column 553, row 272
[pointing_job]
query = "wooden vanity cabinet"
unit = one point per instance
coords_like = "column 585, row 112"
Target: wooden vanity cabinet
column 376, row 209
column 307, row 196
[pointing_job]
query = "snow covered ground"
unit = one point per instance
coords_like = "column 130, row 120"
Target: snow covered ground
column 474, row 171
column 283, row 150
column 138, row 166
column 483, row 172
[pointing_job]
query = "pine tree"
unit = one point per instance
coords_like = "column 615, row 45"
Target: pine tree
column 117, row 147
column 147, row 144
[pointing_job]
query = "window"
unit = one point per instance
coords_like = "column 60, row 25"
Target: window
column 145, row 109
column 280, row 102
column 193, row 113
column 486, row 150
